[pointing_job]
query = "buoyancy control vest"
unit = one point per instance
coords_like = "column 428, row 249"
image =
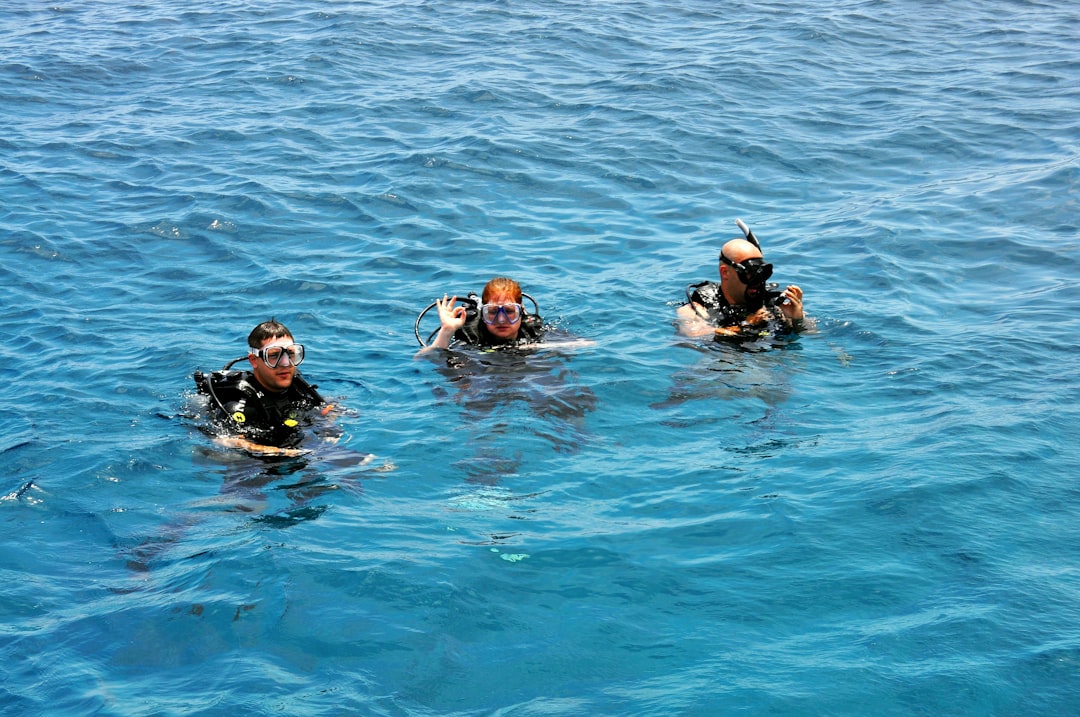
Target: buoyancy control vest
column 240, row 405
column 720, row 313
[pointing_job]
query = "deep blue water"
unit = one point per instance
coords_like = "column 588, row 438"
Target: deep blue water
column 880, row 517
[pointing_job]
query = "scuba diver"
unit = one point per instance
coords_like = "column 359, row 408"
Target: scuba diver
column 500, row 361
column 743, row 302
column 496, row 319
column 262, row 410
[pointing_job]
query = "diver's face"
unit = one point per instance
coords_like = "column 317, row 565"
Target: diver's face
column 277, row 378
column 733, row 286
column 734, row 281
column 503, row 328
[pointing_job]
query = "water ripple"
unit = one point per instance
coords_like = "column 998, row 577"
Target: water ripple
column 646, row 525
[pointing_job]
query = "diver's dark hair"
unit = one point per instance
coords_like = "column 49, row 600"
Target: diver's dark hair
column 272, row 329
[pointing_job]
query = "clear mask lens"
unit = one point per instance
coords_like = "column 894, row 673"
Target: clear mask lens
column 490, row 312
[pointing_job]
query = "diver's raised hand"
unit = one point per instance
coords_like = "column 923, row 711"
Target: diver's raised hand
column 791, row 306
column 451, row 317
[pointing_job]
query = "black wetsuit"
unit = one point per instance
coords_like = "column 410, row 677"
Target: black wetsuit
column 242, row 406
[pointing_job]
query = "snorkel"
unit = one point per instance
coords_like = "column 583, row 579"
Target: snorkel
column 749, row 234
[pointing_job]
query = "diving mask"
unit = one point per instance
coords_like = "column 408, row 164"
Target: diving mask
column 490, row 312
column 272, row 355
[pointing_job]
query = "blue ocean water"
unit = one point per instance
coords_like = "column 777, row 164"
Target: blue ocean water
column 877, row 517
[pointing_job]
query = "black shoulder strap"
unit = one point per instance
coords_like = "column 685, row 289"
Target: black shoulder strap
column 308, row 389
column 222, row 386
column 694, row 293
column 470, row 332
column 532, row 326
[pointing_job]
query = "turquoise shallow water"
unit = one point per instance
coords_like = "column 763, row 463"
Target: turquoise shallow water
column 879, row 517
